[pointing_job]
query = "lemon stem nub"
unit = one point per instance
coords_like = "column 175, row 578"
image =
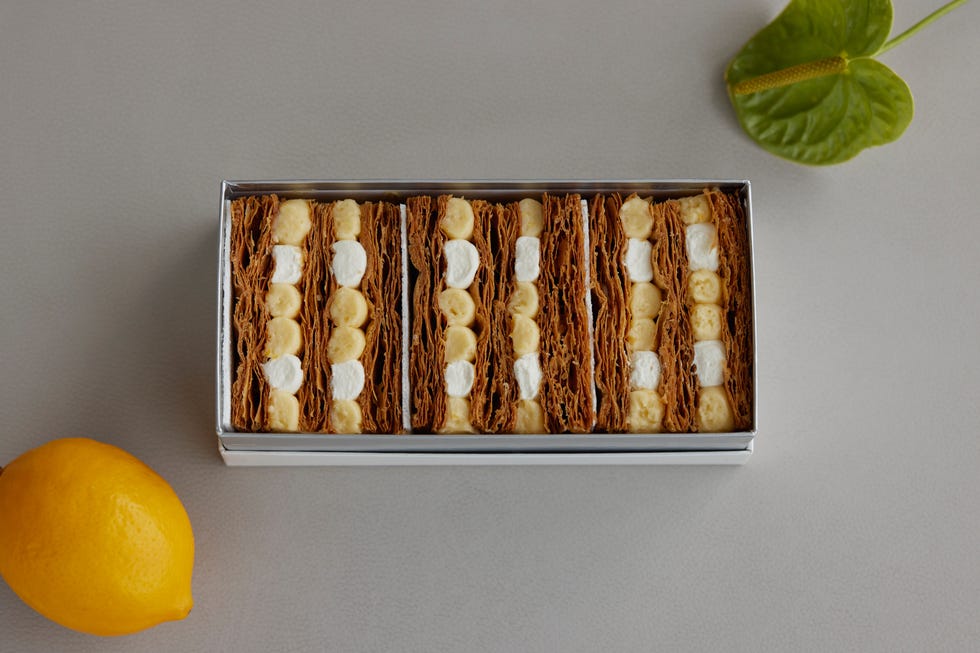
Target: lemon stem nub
column 791, row 75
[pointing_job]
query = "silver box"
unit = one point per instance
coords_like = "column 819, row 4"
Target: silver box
column 306, row 448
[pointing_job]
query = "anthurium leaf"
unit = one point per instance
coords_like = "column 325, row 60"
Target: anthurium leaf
column 867, row 26
column 805, row 87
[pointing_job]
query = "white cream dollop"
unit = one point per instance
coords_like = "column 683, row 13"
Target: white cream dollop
column 347, row 379
column 527, row 262
column 284, row 373
column 702, row 246
column 709, row 361
column 288, row 264
column 349, row 262
column 527, row 369
column 459, row 378
column 638, row 263
column 645, row 371
column 462, row 261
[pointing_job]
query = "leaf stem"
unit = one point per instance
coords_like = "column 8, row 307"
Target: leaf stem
column 939, row 13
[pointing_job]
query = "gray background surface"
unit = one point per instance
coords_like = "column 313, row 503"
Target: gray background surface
column 853, row 527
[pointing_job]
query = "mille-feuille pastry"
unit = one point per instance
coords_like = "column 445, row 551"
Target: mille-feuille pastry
column 493, row 403
column 251, row 262
column 427, row 346
column 728, row 218
column 522, row 309
column 564, row 319
column 627, row 304
column 450, row 328
column 668, row 285
column 317, row 318
column 459, row 292
column 488, row 354
column 717, row 302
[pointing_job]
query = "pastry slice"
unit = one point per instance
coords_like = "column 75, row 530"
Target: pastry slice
column 521, row 359
column 380, row 403
column 251, row 263
column 628, row 304
column 736, row 305
column 567, row 391
column 317, row 295
column 678, row 386
column 268, row 256
column 706, row 344
column 673, row 314
column 493, row 399
column 432, row 311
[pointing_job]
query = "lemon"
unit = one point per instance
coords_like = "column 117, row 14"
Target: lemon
column 93, row 539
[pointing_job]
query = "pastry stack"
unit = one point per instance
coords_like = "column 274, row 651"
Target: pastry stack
column 317, row 316
column 673, row 315
column 526, row 306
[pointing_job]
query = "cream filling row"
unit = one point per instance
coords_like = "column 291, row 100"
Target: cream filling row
column 646, row 405
column 457, row 305
column 523, row 307
column 706, row 292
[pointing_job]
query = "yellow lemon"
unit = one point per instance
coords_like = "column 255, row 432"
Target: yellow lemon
column 93, row 539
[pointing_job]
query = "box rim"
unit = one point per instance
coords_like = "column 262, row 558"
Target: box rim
column 487, row 444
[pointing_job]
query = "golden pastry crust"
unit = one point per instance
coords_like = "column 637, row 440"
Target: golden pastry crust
column 678, row 384
column 426, row 353
column 733, row 239
column 380, row 401
column 251, row 263
column 611, row 297
column 489, row 402
column 566, row 351
column 484, row 292
column 317, row 284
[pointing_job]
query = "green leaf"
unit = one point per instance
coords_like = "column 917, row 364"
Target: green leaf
column 824, row 99
column 867, row 24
